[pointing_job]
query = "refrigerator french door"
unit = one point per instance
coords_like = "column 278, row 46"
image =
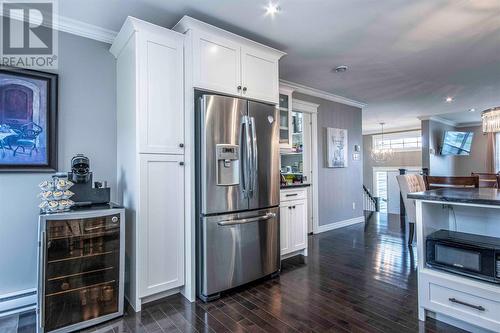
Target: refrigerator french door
column 237, row 192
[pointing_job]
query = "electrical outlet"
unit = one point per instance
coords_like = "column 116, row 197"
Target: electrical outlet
column 353, row 206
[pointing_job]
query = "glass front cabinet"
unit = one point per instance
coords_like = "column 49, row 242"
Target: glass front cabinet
column 285, row 111
column 81, row 269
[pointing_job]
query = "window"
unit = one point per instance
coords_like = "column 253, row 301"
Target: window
column 399, row 142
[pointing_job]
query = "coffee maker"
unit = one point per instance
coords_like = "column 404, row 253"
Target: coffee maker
column 85, row 192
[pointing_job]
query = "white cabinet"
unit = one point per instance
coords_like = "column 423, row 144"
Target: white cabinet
column 293, row 222
column 150, row 157
column 217, row 63
column 160, row 84
column 298, row 225
column 162, row 228
column 226, row 63
column 284, row 228
column 259, row 75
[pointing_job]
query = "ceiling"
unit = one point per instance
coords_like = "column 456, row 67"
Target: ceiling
column 405, row 57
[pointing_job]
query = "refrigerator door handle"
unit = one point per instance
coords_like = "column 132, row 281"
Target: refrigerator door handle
column 267, row 216
column 245, row 143
column 254, row 157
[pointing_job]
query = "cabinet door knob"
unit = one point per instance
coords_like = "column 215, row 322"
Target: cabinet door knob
column 293, row 207
column 239, row 88
column 181, row 163
column 244, row 88
column 181, row 145
column 289, row 207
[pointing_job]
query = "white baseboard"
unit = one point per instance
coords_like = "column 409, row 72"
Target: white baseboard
column 19, row 301
column 340, row 224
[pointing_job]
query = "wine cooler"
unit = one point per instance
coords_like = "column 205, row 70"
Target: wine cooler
column 81, row 268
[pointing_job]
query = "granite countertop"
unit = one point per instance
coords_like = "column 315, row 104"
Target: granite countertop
column 482, row 196
column 294, row 186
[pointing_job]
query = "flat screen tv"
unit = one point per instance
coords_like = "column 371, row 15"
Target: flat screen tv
column 457, row 143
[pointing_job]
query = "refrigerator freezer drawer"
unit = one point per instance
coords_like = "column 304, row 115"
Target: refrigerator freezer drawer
column 237, row 249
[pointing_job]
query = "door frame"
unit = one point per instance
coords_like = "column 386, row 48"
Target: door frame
column 312, row 206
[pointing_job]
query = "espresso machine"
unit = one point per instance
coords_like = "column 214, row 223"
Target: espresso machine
column 86, row 192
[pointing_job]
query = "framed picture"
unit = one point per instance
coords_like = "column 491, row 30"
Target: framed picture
column 336, row 143
column 28, row 120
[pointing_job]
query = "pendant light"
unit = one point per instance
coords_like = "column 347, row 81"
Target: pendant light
column 491, row 120
column 382, row 154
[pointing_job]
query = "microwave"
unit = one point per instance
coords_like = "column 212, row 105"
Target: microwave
column 471, row 255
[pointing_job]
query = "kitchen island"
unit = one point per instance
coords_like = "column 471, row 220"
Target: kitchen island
column 462, row 300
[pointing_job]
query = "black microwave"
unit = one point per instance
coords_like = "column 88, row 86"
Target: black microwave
column 466, row 254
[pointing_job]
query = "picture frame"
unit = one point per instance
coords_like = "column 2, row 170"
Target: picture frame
column 337, row 148
column 28, row 120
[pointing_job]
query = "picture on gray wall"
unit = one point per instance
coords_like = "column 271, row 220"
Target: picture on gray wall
column 28, row 111
column 336, row 139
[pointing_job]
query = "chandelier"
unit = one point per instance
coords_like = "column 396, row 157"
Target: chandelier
column 491, row 120
column 379, row 152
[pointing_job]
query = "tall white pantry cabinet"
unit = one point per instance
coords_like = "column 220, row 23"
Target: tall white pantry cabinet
column 151, row 157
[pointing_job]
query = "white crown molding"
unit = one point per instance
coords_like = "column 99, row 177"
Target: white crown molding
column 439, row 120
column 75, row 27
column 86, row 30
column 393, row 130
column 470, row 124
column 300, row 88
column 304, row 106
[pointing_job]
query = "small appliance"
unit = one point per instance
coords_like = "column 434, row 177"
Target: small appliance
column 471, row 255
column 86, row 193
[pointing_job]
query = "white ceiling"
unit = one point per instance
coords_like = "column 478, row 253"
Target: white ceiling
column 404, row 56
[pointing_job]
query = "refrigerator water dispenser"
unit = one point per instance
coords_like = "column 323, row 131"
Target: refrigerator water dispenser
column 228, row 164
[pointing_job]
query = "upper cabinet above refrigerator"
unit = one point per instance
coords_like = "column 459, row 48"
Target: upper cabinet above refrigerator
column 226, row 63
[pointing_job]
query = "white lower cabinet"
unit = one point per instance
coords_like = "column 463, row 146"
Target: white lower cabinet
column 161, row 236
column 293, row 222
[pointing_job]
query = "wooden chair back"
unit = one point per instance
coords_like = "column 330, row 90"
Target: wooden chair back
column 434, row 182
column 490, row 180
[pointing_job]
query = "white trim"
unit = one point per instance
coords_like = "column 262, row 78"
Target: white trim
column 470, row 124
column 303, row 106
column 18, row 301
column 393, row 130
column 300, row 88
column 396, row 168
column 160, row 295
column 86, row 30
column 76, row 27
column 340, row 224
column 439, row 120
column 187, row 23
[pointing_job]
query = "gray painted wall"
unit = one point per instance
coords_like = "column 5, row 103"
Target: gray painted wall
column 402, row 159
column 476, row 161
column 340, row 187
column 87, row 124
column 432, row 136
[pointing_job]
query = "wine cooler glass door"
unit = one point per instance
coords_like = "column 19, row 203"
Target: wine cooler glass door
column 81, row 270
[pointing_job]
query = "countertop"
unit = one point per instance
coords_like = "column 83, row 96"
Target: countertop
column 284, row 187
column 480, row 196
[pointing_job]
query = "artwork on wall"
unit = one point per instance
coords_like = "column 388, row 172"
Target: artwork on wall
column 28, row 120
column 336, row 139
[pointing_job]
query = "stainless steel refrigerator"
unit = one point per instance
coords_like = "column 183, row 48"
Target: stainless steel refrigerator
column 237, row 177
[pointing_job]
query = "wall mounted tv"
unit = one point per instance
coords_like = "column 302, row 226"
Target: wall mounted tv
column 456, row 143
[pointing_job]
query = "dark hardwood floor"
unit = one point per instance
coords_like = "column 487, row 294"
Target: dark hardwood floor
column 360, row 278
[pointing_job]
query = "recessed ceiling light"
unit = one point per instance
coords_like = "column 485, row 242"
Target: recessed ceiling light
column 341, row 68
column 449, row 99
column 272, row 9
column 472, row 110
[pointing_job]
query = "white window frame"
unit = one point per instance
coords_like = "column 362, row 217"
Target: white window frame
column 377, row 138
